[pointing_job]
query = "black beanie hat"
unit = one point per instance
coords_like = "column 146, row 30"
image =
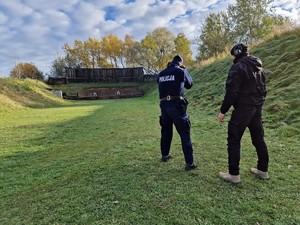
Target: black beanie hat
column 239, row 49
column 177, row 60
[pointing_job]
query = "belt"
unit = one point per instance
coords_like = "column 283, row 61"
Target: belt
column 169, row 98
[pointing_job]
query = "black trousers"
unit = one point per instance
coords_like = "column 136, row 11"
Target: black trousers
column 176, row 115
column 241, row 118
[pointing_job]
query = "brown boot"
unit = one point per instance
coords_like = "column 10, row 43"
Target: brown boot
column 231, row 178
column 259, row 173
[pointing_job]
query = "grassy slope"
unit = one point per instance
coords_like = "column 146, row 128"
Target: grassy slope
column 20, row 93
column 281, row 58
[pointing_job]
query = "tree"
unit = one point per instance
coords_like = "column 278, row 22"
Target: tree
column 145, row 54
column 155, row 50
column 165, row 46
column 26, row 70
column 92, row 49
column 78, row 56
column 216, row 35
column 92, row 53
column 58, row 65
column 245, row 21
column 40, row 75
column 112, row 49
column 182, row 47
column 158, row 48
column 253, row 20
column 128, row 51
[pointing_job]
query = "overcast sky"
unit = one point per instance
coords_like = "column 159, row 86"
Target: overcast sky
column 34, row 31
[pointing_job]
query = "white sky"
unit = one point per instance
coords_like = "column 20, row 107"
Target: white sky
column 34, row 31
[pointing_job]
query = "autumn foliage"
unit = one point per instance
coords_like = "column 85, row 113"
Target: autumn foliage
column 26, row 70
column 152, row 53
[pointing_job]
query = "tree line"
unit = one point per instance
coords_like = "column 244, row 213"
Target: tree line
column 153, row 52
column 244, row 21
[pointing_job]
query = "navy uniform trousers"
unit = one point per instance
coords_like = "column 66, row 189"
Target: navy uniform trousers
column 174, row 113
column 241, row 118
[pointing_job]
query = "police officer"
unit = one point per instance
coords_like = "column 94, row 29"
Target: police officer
column 245, row 91
column 171, row 84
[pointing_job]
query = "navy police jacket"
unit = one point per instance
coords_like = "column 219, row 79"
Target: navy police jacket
column 246, row 84
column 172, row 81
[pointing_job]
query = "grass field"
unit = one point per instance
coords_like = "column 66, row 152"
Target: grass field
column 98, row 162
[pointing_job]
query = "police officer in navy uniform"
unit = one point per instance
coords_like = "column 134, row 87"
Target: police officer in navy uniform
column 246, row 92
column 171, row 84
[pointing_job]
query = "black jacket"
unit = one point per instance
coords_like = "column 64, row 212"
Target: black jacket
column 246, row 83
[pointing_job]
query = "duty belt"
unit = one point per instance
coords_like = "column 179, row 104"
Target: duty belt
column 169, row 98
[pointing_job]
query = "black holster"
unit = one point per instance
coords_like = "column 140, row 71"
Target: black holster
column 184, row 102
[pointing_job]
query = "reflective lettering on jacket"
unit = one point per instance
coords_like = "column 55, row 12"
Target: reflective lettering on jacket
column 167, row 78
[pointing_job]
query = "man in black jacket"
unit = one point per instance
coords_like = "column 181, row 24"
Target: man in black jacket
column 171, row 83
column 245, row 91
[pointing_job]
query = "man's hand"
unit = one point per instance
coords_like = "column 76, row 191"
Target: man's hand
column 221, row 117
column 182, row 66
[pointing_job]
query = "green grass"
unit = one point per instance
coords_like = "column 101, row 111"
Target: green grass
column 97, row 162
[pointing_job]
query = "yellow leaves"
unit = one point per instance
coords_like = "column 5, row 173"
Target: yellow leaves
column 129, row 41
column 159, row 47
column 183, row 48
column 153, row 52
column 85, row 54
column 92, row 48
column 112, row 48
